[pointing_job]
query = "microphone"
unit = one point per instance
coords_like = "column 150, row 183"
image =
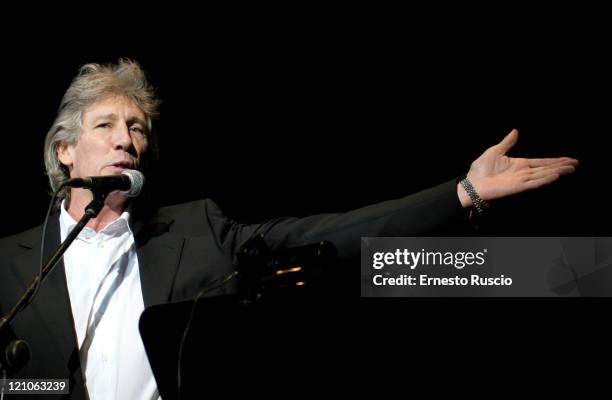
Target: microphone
column 130, row 182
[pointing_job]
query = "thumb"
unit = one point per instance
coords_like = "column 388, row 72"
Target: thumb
column 508, row 142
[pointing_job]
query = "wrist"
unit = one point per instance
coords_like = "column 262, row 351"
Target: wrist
column 464, row 198
column 475, row 200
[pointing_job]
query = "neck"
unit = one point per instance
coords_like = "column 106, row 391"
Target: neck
column 114, row 206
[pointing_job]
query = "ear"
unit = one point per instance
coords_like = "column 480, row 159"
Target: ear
column 65, row 154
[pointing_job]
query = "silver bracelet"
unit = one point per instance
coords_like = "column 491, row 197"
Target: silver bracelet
column 479, row 204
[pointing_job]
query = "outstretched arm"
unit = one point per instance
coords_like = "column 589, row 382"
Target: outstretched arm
column 495, row 175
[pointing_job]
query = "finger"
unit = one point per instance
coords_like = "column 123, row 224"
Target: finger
column 552, row 167
column 559, row 164
column 508, row 142
column 543, row 162
column 544, row 172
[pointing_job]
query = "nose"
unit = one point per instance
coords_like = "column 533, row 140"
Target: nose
column 122, row 140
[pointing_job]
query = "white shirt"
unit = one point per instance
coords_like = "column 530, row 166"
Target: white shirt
column 106, row 300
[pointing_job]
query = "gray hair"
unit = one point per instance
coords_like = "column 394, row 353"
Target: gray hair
column 93, row 83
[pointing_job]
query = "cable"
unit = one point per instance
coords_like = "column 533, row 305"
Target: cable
column 2, row 386
column 42, row 245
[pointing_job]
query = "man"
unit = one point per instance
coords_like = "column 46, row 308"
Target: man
column 83, row 324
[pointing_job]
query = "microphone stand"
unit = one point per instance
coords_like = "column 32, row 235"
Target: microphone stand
column 16, row 354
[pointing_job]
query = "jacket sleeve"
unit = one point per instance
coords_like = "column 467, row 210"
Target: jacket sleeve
column 419, row 214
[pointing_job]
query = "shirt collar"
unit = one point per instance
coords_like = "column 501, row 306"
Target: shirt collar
column 115, row 228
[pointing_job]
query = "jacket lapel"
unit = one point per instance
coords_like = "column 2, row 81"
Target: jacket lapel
column 52, row 302
column 159, row 254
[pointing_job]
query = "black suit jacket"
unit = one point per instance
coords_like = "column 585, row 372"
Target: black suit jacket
column 181, row 249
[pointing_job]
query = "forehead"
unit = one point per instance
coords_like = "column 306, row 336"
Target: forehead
column 114, row 105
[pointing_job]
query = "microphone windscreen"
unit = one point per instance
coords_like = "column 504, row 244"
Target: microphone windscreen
column 137, row 180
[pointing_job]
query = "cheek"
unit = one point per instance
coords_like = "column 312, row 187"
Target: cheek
column 141, row 145
column 86, row 151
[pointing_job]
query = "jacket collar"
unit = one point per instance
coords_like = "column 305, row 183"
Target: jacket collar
column 159, row 252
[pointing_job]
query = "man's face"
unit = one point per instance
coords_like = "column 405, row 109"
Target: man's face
column 113, row 138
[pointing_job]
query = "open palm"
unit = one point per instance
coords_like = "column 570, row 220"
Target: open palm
column 495, row 175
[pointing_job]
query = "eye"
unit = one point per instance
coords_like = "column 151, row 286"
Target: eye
column 137, row 129
column 104, row 125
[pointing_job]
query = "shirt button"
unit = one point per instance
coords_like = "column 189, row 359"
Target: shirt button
column 104, row 358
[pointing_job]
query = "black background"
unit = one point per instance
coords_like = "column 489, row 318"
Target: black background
column 273, row 121
column 293, row 112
